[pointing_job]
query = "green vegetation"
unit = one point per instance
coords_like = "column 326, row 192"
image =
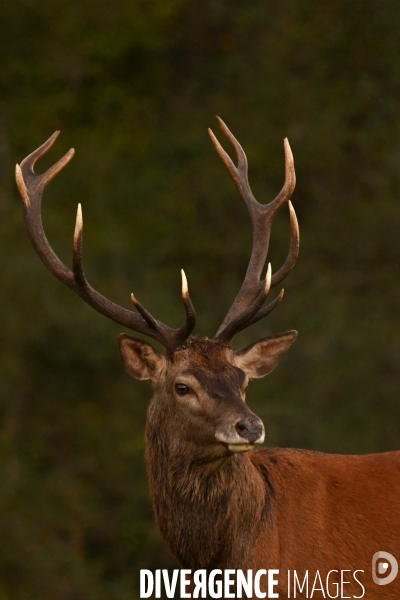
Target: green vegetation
column 133, row 85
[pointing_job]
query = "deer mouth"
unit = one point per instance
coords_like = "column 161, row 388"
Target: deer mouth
column 243, row 435
column 240, row 447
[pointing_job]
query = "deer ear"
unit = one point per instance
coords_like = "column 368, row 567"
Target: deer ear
column 140, row 359
column 262, row 357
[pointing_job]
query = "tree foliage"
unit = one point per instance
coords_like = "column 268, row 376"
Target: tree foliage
column 133, row 86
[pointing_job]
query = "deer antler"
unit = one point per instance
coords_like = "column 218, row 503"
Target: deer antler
column 247, row 306
column 31, row 187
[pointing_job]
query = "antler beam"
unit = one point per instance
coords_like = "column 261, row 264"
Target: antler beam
column 247, row 306
column 31, row 187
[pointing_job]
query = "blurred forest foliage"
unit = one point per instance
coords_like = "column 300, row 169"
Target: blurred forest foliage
column 133, row 85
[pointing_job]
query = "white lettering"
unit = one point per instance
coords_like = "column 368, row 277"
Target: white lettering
column 305, row 583
column 146, row 575
column 200, row 580
column 343, row 582
column 158, row 584
column 185, row 582
column 359, row 583
column 246, row 584
column 215, row 587
column 170, row 588
column 228, row 582
column 319, row 589
column 334, row 584
column 257, row 578
column 272, row 583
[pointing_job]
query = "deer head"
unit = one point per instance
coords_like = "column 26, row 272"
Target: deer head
column 199, row 383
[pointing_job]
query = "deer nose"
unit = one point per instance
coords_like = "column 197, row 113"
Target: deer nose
column 250, row 429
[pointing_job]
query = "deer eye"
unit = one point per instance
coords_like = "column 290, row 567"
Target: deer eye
column 181, row 389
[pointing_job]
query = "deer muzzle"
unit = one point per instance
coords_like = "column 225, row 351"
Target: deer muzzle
column 242, row 434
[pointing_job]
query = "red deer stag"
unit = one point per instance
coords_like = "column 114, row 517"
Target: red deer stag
column 220, row 500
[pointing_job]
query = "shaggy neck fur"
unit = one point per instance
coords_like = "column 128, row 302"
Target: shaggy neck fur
column 210, row 509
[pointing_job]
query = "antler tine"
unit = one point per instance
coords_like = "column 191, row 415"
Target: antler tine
column 190, row 322
column 189, row 309
column 31, row 187
column 263, row 312
column 226, row 333
column 245, row 308
column 77, row 265
column 238, row 173
column 290, row 180
column 251, row 315
column 27, row 179
column 293, row 249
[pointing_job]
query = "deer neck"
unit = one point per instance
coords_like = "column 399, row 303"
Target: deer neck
column 209, row 510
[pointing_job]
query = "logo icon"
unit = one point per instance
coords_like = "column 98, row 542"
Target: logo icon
column 381, row 562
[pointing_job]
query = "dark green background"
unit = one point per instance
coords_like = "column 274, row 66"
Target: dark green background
column 133, row 85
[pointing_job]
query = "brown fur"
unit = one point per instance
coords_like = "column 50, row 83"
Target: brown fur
column 268, row 508
column 286, row 509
